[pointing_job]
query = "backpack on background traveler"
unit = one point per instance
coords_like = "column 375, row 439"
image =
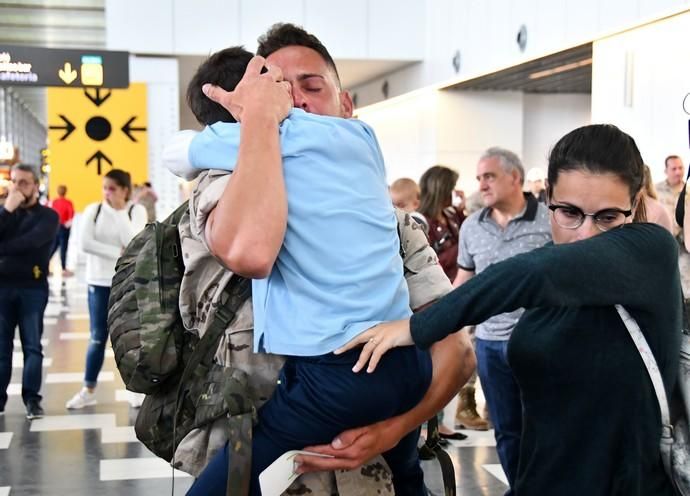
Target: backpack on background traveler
column 157, row 356
column 675, row 434
column 100, row 207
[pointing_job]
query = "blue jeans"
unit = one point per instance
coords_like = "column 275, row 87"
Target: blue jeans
column 98, row 319
column 61, row 241
column 319, row 397
column 503, row 398
column 23, row 307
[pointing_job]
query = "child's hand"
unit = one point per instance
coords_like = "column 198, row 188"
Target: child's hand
column 377, row 341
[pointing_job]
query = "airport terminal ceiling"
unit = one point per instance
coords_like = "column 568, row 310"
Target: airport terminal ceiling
column 82, row 24
column 569, row 71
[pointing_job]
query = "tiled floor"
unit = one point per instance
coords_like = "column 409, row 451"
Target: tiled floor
column 94, row 451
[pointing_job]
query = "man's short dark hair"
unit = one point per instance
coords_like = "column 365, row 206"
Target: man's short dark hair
column 283, row 35
column 670, row 157
column 225, row 69
column 27, row 168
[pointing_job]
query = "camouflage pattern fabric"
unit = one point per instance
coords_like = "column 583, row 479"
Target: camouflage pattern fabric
column 203, row 391
column 668, row 198
column 205, row 276
column 143, row 318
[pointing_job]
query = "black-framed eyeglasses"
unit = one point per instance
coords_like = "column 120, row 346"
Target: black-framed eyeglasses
column 571, row 217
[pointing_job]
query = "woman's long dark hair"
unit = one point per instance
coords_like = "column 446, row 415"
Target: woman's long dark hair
column 122, row 179
column 600, row 149
column 436, row 190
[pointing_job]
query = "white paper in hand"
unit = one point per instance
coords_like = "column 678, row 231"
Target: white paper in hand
column 281, row 473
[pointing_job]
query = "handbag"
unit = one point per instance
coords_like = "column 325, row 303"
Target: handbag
column 675, row 436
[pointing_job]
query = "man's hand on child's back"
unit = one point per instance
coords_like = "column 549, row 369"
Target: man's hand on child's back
column 257, row 95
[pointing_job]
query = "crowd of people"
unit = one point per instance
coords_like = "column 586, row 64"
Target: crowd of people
column 30, row 234
column 353, row 299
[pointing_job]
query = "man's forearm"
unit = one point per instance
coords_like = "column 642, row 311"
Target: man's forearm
column 453, row 364
column 247, row 227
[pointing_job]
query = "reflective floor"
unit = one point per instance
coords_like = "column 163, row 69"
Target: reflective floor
column 94, row 451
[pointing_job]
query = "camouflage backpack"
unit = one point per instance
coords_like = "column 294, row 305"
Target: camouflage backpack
column 202, row 392
column 155, row 355
column 144, row 321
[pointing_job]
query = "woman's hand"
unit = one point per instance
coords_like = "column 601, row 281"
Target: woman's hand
column 377, row 341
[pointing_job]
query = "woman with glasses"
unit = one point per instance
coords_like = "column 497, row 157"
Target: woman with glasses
column 107, row 227
column 591, row 420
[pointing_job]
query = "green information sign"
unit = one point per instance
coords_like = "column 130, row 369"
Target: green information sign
column 36, row 66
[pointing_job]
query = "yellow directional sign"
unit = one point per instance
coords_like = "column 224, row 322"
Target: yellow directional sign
column 93, row 130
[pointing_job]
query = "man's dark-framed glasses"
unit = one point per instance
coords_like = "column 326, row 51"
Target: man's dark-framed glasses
column 571, row 217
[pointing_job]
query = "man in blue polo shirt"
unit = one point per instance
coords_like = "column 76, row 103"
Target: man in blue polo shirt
column 338, row 273
column 511, row 222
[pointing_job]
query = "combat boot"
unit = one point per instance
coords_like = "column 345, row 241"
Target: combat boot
column 466, row 416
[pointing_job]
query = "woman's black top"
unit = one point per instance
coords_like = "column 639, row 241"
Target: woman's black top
column 591, row 422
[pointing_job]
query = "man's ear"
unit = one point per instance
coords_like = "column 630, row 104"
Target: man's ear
column 346, row 105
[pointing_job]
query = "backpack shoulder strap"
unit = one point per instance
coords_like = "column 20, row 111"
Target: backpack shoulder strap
column 98, row 212
column 657, row 382
column 233, row 295
column 129, row 212
column 176, row 216
column 433, row 449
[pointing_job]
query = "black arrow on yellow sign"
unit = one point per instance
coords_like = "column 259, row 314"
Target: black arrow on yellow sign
column 68, row 127
column 98, row 157
column 97, row 99
column 127, row 129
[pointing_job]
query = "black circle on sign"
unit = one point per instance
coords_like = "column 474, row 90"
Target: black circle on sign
column 98, row 128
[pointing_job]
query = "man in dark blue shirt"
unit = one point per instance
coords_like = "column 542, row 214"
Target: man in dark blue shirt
column 27, row 235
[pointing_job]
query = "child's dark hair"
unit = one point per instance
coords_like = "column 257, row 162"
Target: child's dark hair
column 600, row 149
column 225, row 69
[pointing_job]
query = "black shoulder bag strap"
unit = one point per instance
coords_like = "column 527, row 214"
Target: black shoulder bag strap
column 98, row 212
column 680, row 204
column 236, row 292
column 432, row 448
column 100, row 206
